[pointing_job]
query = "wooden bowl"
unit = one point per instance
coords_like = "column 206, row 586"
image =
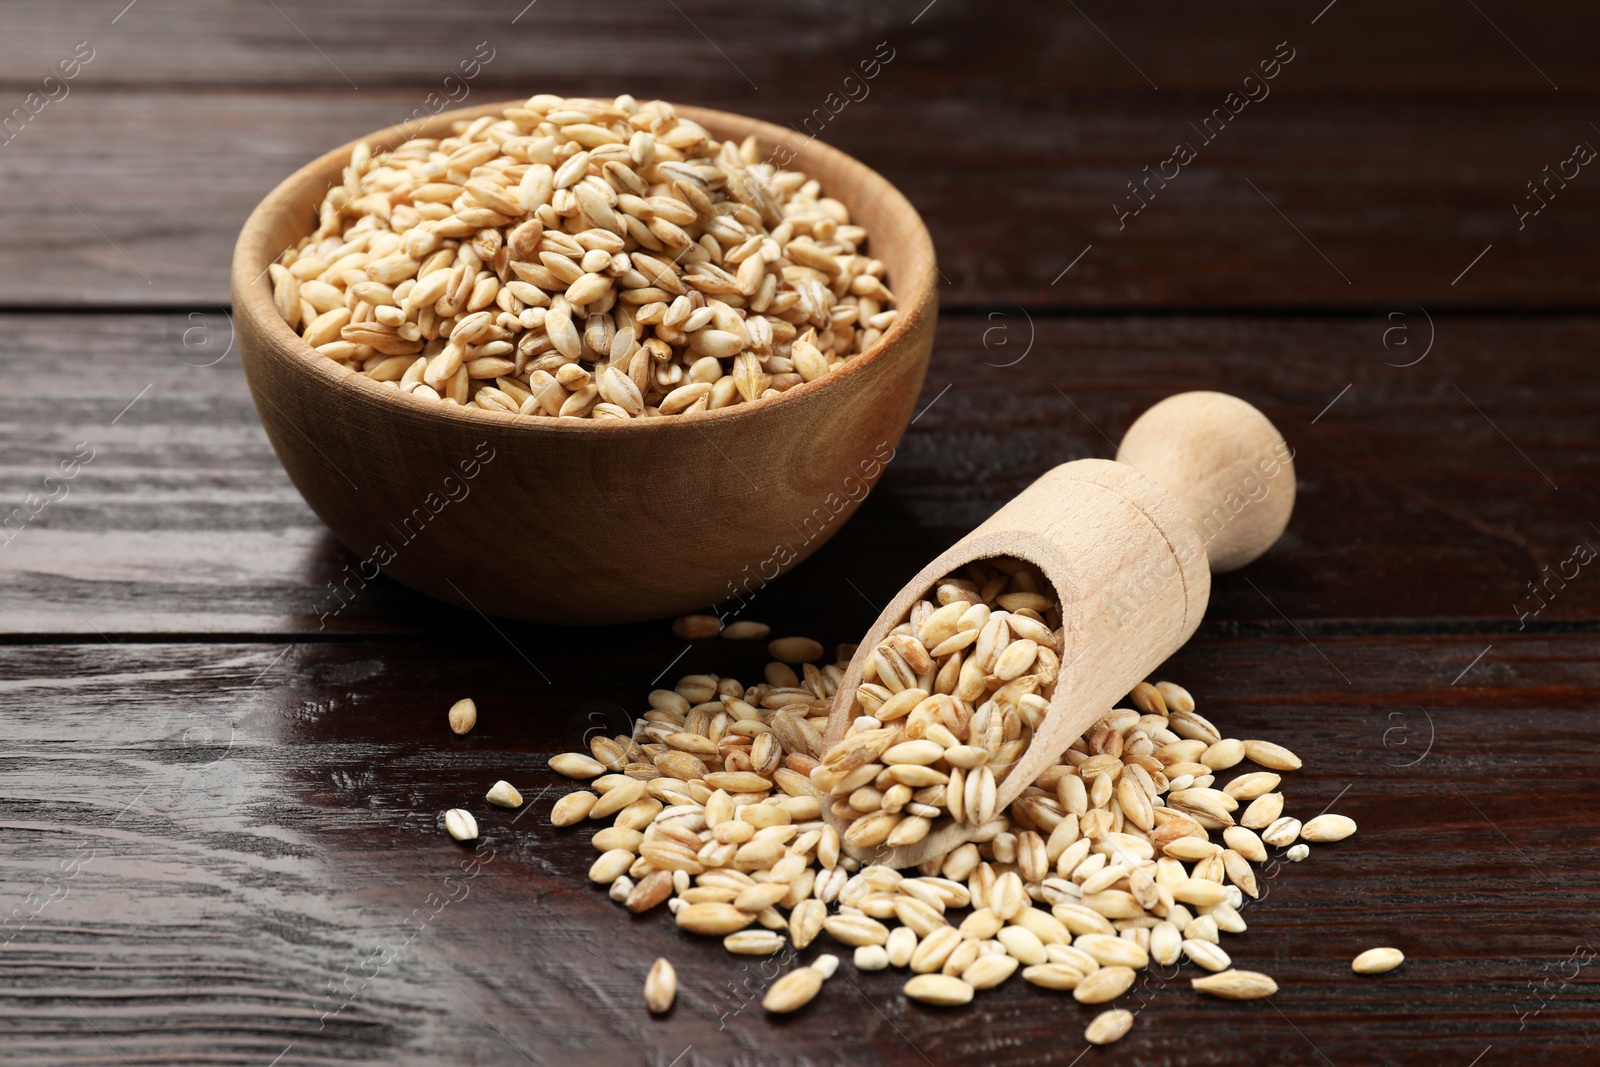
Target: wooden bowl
column 573, row 520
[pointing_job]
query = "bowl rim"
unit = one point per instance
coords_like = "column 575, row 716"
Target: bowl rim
column 252, row 293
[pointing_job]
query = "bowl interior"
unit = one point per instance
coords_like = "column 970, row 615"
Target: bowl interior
column 896, row 235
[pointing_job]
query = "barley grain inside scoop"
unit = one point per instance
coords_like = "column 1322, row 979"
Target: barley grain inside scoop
column 947, row 704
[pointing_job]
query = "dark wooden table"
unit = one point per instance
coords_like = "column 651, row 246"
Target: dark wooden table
column 218, row 823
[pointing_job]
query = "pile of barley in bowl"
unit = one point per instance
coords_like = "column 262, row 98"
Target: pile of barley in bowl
column 1103, row 866
column 603, row 259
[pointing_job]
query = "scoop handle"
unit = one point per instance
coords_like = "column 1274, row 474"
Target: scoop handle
column 1226, row 465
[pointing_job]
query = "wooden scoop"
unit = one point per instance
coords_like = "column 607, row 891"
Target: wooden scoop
column 1202, row 482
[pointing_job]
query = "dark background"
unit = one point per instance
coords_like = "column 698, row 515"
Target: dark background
column 215, row 818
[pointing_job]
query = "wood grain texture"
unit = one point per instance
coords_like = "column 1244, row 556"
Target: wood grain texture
column 252, row 840
column 1361, row 45
column 1413, row 508
column 1393, row 196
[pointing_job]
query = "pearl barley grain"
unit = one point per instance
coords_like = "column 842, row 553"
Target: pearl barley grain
column 793, row 991
column 1328, row 828
column 463, row 715
column 1109, row 1026
column 752, row 942
column 660, row 986
column 1377, row 961
column 795, row 650
column 1107, row 983
column 572, row 808
column 503, row 794
column 693, row 627
column 460, row 824
column 871, row 958
column 746, row 630
column 942, row 990
column 576, row 765
column 1236, row 985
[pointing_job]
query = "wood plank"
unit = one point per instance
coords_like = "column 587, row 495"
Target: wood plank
column 1306, row 200
column 1423, row 495
column 229, row 853
column 741, row 52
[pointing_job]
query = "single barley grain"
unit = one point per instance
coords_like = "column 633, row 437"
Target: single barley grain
column 463, row 715
column 1112, row 951
column 572, row 808
column 660, row 986
column 615, row 796
column 805, row 922
column 754, row 942
column 460, row 824
column 1175, row 697
column 1206, row 954
column 1377, row 960
column 871, row 958
column 691, row 627
column 1282, row 832
column 1224, row 754
column 1246, row 842
column 1252, row 785
column 989, row 970
column 504, row 794
column 1239, row 872
column 1188, row 849
column 1053, row 975
column 1204, row 928
column 1328, row 828
column 746, row 630
column 1148, row 699
column 1262, row 812
column 1236, row 985
column 1200, row 892
column 794, row 650
column 855, row 930
column 934, row 950
column 576, row 765
column 1109, row 1026
column 1271, row 756
column 901, row 945
column 939, row 989
column 1297, row 853
column 793, row 991
column 1227, row 919
column 1165, row 943
column 713, row 918
column 611, row 865
column 649, row 891
column 1022, row 943
column 1107, row 983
